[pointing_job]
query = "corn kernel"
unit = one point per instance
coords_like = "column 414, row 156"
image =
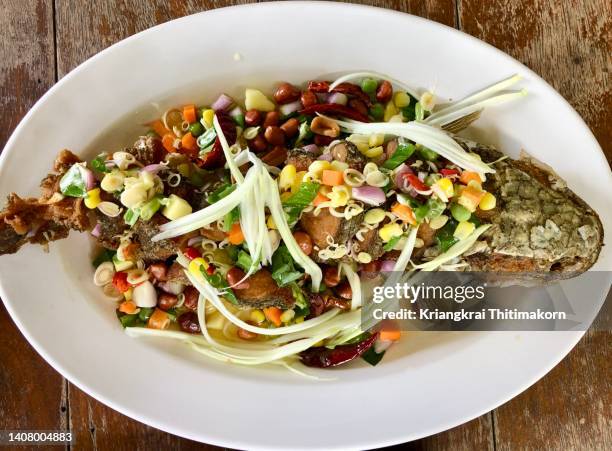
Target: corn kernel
column 93, row 198
column 487, row 202
column 113, row 181
column 374, row 152
column 401, row 99
column 374, row 216
column 287, row 316
column 257, row 316
column 299, row 178
column 197, row 265
column 447, row 186
column 256, row 100
column 362, row 146
column 390, row 111
column 270, row 223
column 339, row 196
column 207, row 117
column 464, row 229
column 299, row 319
column 177, row 207
column 376, row 139
column 340, row 166
column 287, row 177
column 128, row 294
column 389, row 231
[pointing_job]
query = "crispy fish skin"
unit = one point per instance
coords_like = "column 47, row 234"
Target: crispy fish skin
column 542, row 231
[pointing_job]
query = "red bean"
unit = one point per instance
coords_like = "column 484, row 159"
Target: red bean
column 272, row 118
column 384, row 92
column 159, row 271
column 330, row 276
column 191, row 298
column 304, row 241
column 252, row 118
column 189, row 323
column 309, row 98
column 274, row 135
column 166, row 301
column 235, row 275
column 286, row 93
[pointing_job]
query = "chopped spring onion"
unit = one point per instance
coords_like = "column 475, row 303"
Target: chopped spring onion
column 424, row 134
column 454, row 251
column 228, row 154
column 355, row 284
column 378, row 75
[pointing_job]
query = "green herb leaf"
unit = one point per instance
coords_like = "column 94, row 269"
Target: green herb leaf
column 305, row 132
column 294, row 205
column 444, row 236
column 106, row 255
column 283, row 267
column 243, row 261
column 391, row 244
column 230, row 218
column 145, row 313
column 302, row 305
column 217, row 281
column 402, row 153
column 72, row 183
column 98, row 163
column 224, row 190
column 207, row 138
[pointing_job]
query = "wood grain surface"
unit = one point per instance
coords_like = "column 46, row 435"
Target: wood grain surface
column 567, row 42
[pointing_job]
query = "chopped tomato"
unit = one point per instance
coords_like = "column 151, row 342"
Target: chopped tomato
column 120, row 281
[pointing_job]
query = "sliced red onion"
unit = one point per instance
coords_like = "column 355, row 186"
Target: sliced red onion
column 312, row 148
column 400, row 181
column 195, row 240
column 89, row 178
column 290, row 108
column 325, row 156
column 337, row 97
column 387, row 266
column 110, row 164
column 371, row 195
column 422, row 176
column 171, row 287
column 223, row 103
column 97, row 230
column 154, row 168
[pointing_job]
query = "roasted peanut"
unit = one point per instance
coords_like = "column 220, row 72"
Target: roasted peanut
column 189, row 323
column 304, row 241
column 272, row 118
column 258, row 144
column 330, row 276
column 274, row 135
column 344, row 290
column 290, row 127
column 191, row 298
column 276, row 156
column 166, row 301
column 235, row 275
column 252, row 118
column 324, row 126
column 384, row 92
column 286, row 93
column 309, row 98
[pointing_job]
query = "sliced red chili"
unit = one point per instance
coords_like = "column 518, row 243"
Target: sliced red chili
column 415, row 182
column 335, row 109
column 215, row 158
column 448, row 172
column 120, row 281
column 191, row 253
column 321, row 357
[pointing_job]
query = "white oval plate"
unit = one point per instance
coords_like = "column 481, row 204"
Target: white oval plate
column 430, row 382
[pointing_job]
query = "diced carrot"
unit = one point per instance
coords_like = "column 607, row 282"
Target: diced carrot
column 189, row 113
column 404, row 212
column 159, row 128
column 273, row 314
column 189, row 142
column 319, row 199
column 127, row 307
column 467, row 176
column 332, row 178
column 235, row 235
column 470, row 197
column 168, row 142
column 158, row 320
column 389, row 331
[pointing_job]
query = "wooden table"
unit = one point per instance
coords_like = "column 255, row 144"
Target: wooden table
column 567, row 42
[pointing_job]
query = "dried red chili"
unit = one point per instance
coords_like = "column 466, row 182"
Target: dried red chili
column 344, row 88
column 448, row 172
column 321, row 357
column 215, row 158
column 415, row 182
column 334, row 109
